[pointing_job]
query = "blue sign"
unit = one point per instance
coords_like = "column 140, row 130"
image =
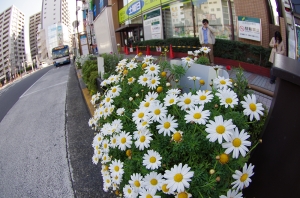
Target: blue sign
column 94, row 11
column 101, row 4
column 135, row 7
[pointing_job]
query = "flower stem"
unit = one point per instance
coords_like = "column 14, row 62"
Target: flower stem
column 229, row 168
column 253, row 148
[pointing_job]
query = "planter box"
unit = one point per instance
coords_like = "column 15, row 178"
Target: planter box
column 206, row 73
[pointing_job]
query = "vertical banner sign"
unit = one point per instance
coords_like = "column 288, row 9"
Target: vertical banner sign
column 298, row 41
column 83, row 39
column 249, row 28
column 152, row 25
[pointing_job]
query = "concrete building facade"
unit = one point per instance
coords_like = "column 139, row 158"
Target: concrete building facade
column 34, row 21
column 12, row 43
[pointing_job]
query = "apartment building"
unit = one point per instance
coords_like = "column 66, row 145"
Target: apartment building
column 34, row 21
column 12, row 44
column 55, row 27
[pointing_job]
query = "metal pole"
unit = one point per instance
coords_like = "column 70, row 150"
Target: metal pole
column 231, row 19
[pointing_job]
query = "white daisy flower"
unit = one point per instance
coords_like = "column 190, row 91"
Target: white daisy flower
column 144, row 124
column 113, row 141
column 115, row 186
column 222, row 82
column 105, row 188
column 153, row 82
column 197, row 115
column 124, row 140
column 205, row 49
column 145, row 105
column 107, row 181
column 227, row 97
column 219, row 129
column 130, row 98
column 116, row 179
column 129, row 192
column 173, row 91
column 131, row 65
column 152, row 69
column 151, row 96
column 105, row 158
column 157, row 111
column 152, row 160
column 145, row 193
column 232, row 194
column 143, row 139
column 203, row 97
column 237, row 143
column 108, row 100
column 98, row 139
column 164, row 188
column 170, row 99
column 140, row 115
column 186, row 101
column 251, row 107
column 136, row 181
column 193, row 78
column 105, row 145
column 104, row 83
column 144, row 79
column 177, row 136
column 166, row 125
column 153, row 180
column 98, row 153
column 187, row 60
column 148, row 59
column 131, row 80
column 115, row 91
column 106, row 128
column 243, row 178
column 178, row 177
column 95, row 159
column 120, row 111
column 183, row 194
column 117, row 125
column 116, row 168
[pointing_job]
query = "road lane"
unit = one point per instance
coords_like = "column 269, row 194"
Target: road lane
column 33, row 157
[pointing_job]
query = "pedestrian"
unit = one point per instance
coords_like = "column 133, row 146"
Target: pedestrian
column 277, row 47
column 207, row 38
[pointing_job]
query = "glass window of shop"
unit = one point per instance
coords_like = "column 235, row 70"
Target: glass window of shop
column 178, row 18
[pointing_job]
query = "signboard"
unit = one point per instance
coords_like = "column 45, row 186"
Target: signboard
column 83, row 39
column 298, row 41
column 153, row 25
column 249, row 28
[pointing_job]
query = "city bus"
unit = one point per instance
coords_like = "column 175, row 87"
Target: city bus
column 61, row 55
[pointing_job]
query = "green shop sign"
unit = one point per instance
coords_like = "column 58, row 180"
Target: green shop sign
column 136, row 7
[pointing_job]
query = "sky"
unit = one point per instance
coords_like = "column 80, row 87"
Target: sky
column 29, row 7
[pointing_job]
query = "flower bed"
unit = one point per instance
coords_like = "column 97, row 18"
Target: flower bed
column 155, row 141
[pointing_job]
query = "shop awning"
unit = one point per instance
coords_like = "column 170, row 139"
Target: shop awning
column 128, row 27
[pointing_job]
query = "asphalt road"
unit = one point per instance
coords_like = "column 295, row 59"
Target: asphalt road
column 45, row 140
column 10, row 94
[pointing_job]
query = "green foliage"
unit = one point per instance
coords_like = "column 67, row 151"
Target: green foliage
column 234, row 50
column 90, row 74
column 203, row 60
column 111, row 61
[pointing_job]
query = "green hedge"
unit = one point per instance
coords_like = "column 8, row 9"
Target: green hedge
column 90, row 75
column 234, row 50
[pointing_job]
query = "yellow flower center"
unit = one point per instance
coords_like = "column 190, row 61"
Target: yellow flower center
column 144, row 65
column 164, row 188
column 223, row 82
column 149, row 196
column 99, row 138
column 145, row 79
column 153, row 182
column 130, row 79
column 142, row 138
column 252, row 106
column 141, row 115
column 187, row 101
column 244, row 177
column 228, row 100
column 107, row 99
column 114, row 140
column 128, row 153
column 156, row 111
column 163, row 74
column 220, row 129
column 117, row 168
column 178, row 177
column 153, row 81
column 159, row 89
column 114, row 90
column 197, row 115
column 188, row 59
column 129, row 191
column 144, row 123
column 177, row 136
column 171, row 101
column 236, row 142
column 202, row 82
column 152, row 159
column 123, row 140
column 99, row 151
column 182, row 195
column 137, row 183
column 106, row 167
column 203, row 97
column 147, row 104
column 107, row 181
column 167, row 125
column 152, row 68
column 104, row 157
column 105, row 145
column 224, row 158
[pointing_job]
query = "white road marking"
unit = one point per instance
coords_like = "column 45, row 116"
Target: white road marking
column 43, row 89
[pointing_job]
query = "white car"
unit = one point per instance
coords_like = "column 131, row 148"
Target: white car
column 43, row 64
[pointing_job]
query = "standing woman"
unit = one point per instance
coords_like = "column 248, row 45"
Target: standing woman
column 277, row 47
